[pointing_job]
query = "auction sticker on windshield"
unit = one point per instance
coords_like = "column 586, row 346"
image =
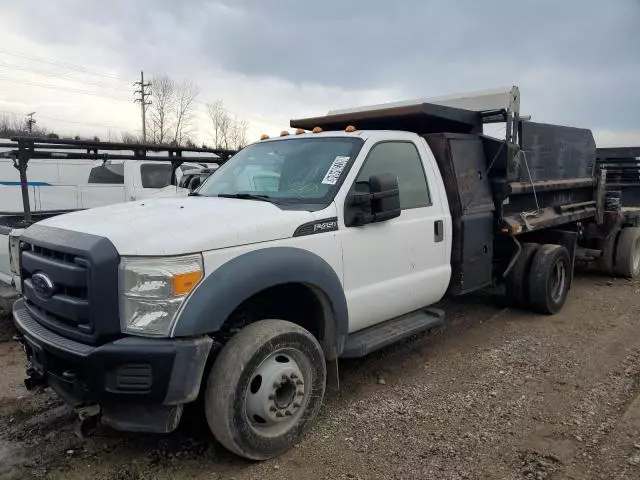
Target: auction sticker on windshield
column 336, row 168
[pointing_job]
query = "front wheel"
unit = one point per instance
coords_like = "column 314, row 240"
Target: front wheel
column 265, row 389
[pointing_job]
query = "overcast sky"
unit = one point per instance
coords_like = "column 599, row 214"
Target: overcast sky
column 577, row 62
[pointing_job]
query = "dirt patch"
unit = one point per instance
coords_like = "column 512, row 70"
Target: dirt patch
column 494, row 394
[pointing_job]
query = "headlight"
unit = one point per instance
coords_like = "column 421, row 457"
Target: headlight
column 152, row 290
column 14, row 254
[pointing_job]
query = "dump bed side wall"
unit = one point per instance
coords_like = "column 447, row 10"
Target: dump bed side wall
column 551, row 181
column 554, row 152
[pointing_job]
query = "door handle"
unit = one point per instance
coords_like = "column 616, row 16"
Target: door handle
column 438, row 231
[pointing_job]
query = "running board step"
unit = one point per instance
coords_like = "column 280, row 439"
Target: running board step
column 365, row 341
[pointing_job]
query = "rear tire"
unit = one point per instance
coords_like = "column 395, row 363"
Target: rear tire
column 265, row 389
column 517, row 282
column 549, row 279
column 606, row 261
column 627, row 257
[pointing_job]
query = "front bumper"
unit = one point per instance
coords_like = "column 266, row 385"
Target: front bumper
column 140, row 384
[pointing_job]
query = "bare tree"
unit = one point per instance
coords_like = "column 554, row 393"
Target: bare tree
column 11, row 124
column 128, row 137
column 160, row 123
column 186, row 94
column 220, row 124
column 238, row 133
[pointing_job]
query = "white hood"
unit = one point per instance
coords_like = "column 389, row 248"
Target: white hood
column 174, row 226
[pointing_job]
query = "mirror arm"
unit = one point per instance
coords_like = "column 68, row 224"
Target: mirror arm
column 367, row 197
column 385, row 194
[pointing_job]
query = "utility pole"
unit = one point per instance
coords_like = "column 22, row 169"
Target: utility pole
column 143, row 103
column 30, row 121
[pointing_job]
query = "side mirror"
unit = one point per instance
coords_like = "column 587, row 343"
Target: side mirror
column 380, row 204
column 184, row 181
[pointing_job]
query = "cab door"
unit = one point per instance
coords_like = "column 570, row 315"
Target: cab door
column 400, row 265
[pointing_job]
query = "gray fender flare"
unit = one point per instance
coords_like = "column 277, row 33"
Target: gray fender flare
column 226, row 288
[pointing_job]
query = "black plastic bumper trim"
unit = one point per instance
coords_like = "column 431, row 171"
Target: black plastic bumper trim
column 90, row 374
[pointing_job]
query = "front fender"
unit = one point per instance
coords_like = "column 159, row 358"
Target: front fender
column 220, row 293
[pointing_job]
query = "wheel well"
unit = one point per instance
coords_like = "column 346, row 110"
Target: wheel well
column 299, row 303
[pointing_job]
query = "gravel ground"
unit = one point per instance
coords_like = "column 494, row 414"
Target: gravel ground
column 494, row 394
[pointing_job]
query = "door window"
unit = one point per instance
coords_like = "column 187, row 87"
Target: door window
column 400, row 159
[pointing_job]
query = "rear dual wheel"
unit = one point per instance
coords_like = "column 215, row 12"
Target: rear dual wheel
column 627, row 253
column 549, row 279
column 540, row 279
column 517, row 282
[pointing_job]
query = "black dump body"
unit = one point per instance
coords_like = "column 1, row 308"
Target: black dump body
column 493, row 187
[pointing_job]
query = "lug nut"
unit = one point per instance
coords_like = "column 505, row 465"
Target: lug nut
column 285, row 378
column 279, row 414
column 273, row 409
column 288, row 413
column 293, row 376
column 272, row 397
column 299, row 382
column 300, row 393
column 276, row 385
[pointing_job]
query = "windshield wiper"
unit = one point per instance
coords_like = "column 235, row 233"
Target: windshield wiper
column 246, row 196
column 194, row 194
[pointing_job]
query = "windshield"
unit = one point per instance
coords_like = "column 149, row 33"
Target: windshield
column 301, row 170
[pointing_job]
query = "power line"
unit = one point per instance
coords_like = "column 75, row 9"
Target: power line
column 63, row 77
column 60, row 64
column 31, row 122
column 63, row 120
column 53, row 87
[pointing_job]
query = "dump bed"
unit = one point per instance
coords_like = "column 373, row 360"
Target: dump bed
column 539, row 176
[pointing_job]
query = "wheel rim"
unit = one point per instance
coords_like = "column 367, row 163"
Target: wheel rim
column 277, row 393
column 558, row 281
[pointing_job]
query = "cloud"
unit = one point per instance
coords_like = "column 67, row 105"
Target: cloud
column 575, row 61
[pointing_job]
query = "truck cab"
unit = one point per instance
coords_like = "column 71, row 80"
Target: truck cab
column 300, row 250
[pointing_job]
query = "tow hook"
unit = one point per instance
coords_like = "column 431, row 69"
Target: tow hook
column 88, row 417
column 35, row 380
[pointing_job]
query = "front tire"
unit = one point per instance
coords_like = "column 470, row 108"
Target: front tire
column 265, row 389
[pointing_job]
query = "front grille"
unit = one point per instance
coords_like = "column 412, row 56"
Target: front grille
column 78, row 288
column 67, row 308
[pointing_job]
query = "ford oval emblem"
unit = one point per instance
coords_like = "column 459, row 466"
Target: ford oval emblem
column 42, row 285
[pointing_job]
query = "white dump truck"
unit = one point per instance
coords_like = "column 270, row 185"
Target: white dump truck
column 305, row 249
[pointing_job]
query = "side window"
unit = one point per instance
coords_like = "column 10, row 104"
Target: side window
column 401, row 159
column 109, row 173
column 155, row 175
